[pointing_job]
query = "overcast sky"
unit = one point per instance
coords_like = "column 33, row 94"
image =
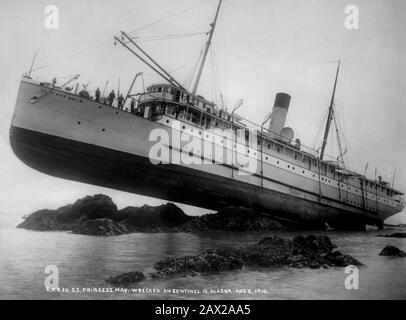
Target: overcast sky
column 260, row 47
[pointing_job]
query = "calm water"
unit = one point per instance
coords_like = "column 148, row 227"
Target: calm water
column 84, row 262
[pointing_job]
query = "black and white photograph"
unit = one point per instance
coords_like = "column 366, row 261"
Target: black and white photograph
column 186, row 150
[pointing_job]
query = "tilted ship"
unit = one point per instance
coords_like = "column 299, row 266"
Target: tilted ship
column 72, row 136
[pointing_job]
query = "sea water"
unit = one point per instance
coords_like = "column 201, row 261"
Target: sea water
column 82, row 263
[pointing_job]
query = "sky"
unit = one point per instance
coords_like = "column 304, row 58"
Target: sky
column 260, row 47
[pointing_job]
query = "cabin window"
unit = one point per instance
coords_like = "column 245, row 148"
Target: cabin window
column 160, row 89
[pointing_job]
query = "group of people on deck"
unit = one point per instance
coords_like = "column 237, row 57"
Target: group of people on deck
column 120, row 100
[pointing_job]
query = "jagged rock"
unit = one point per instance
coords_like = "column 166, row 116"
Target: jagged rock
column 208, row 261
column 394, row 235
column 391, row 251
column 126, row 278
column 164, row 218
column 100, row 227
column 235, row 219
column 67, row 217
column 271, row 252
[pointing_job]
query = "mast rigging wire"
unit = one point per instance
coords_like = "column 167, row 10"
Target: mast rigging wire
column 167, row 17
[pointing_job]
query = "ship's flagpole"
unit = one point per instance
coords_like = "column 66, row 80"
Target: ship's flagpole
column 206, row 50
column 365, row 170
column 32, row 63
column 393, row 178
column 330, row 114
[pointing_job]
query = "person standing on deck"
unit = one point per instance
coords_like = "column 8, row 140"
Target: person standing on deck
column 112, row 97
column 132, row 106
column 97, row 95
column 120, row 102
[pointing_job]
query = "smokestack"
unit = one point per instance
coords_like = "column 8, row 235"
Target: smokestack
column 279, row 112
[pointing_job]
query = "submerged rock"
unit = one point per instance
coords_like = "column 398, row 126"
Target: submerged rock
column 394, row 235
column 271, row 252
column 126, row 278
column 391, row 251
column 100, row 227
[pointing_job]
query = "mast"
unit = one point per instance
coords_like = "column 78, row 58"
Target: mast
column 330, row 114
column 206, row 50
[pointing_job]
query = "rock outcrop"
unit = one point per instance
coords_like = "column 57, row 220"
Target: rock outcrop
column 391, row 251
column 163, row 218
column 271, row 252
column 98, row 215
column 70, row 216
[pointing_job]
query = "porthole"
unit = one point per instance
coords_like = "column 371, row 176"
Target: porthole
column 167, row 121
column 103, row 129
column 183, row 127
column 79, row 122
column 303, row 172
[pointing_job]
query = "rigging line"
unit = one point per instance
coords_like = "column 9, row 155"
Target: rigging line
column 180, row 67
column 294, row 128
column 167, row 17
column 185, row 64
column 101, row 64
column 86, row 49
column 319, row 130
column 194, row 70
column 216, row 85
column 169, row 35
column 163, row 39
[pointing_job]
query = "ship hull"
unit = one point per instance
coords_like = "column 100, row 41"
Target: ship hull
column 73, row 138
column 105, row 167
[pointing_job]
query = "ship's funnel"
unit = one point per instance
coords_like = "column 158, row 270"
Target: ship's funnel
column 279, row 112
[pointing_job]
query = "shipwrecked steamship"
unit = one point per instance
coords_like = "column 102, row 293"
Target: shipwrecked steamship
column 68, row 135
